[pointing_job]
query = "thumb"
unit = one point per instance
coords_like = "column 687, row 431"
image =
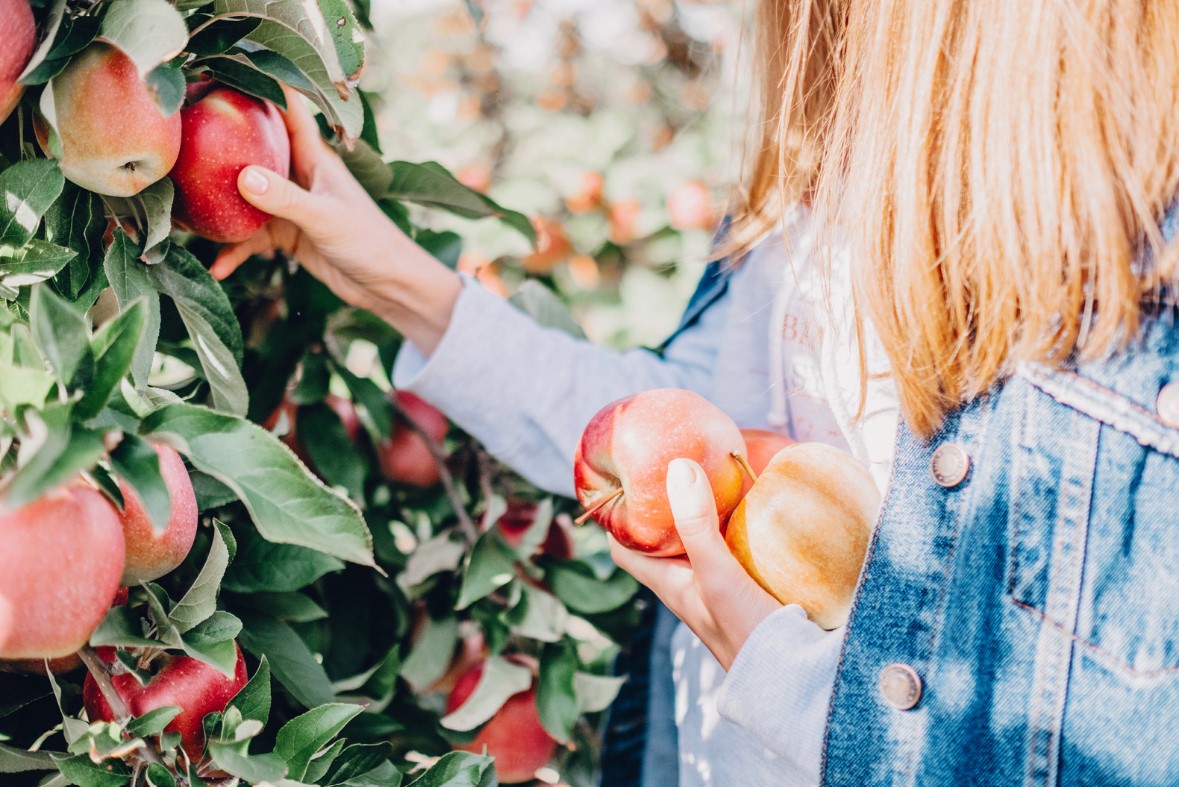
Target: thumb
column 278, row 196
column 694, row 510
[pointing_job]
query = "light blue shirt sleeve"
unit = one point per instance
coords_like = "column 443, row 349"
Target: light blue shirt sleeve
column 526, row 392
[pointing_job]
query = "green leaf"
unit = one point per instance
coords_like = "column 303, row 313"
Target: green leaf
column 239, row 72
column 34, row 262
column 253, row 769
column 209, row 318
column 219, row 35
column 362, row 765
column 286, row 502
column 538, row 615
column 431, row 185
column 212, row 641
column 332, row 452
column 291, row 661
column 556, row 700
column 500, row 680
column 291, row 607
column 167, row 85
column 210, row 493
column 253, row 701
column 346, row 35
column 150, row 210
column 65, row 451
column 83, row 772
column 28, row 189
column 121, row 628
column 128, row 278
column 136, row 462
column 431, row 653
column 264, row 566
column 596, row 692
column 51, row 32
column 367, row 166
column 490, row 566
column 24, row 386
column 158, row 776
column 20, row 761
column 440, row 553
column 576, row 585
column 75, row 221
column 200, row 601
column 458, row 769
column 114, row 348
column 62, row 334
column 150, row 32
column 301, row 737
column 154, row 721
column 546, row 307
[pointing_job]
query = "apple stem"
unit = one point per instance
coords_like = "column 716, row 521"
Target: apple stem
column 598, row 506
column 740, row 459
column 456, row 501
column 102, row 677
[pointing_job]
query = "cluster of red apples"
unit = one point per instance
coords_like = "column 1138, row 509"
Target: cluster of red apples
column 797, row 516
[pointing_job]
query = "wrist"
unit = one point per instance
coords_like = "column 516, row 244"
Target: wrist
column 418, row 295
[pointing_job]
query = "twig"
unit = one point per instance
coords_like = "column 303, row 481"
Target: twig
column 102, row 677
column 744, row 463
column 598, row 506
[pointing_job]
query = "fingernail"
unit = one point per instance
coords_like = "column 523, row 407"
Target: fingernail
column 255, row 181
column 681, row 474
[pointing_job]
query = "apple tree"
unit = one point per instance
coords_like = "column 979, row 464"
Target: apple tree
column 230, row 552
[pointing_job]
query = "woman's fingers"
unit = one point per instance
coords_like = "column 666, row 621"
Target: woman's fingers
column 271, row 192
column 276, row 234
column 694, row 509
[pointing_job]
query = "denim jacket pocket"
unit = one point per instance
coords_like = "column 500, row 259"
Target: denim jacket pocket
column 1094, row 523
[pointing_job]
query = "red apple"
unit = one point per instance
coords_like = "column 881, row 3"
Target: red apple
column 150, row 556
column 514, row 736
column 469, row 651
column 689, row 206
column 114, row 138
column 191, row 685
column 60, row 665
column 552, row 246
column 761, row 445
column 620, row 469
column 802, row 530
column 224, row 131
column 59, row 570
column 558, row 542
column 405, row 457
column 18, row 31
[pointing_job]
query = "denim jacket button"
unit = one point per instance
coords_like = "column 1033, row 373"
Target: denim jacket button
column 1168, row 404
column 950, row 464
column 900, row 685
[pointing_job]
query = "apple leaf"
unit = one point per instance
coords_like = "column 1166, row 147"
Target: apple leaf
column 149, row 32
column 347, row 36
column 303, row 736
column 50, row 30
column 251, row 768
column 212, row 35
column 367, row 166
column 213, row 641
column 500, row 680
column 150, row 209
column 35, row 262
column 167, row 85
column 114, row 348
column 264, row 566
column 212, row 326
column 556, row 701
column 22, row 385
column 490, row 566
column 200, row 601
column 459, row 768
column 62, row 451
column 121, row 628
column 253, row 701
column 62, row 335
column 361, row 765
column 596, row 692
column 431, row 653
column 75, row 221
column 156, row 775
column 64, row 39
column 128, row 278
column 575, row 584
column 136, row 462
column 28, row 189
column 153, row 722
column 538, row 615
column 332, row 452
column 84, row 772
column 543, row 305
column 237, row 71
column 14, row 760
column 435, row 555
column 291, row 661
column 431, row 185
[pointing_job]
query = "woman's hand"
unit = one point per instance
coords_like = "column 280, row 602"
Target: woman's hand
column 708, row 590
column 326, row 221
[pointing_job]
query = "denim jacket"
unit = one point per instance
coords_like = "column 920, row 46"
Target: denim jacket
column 1017, row 620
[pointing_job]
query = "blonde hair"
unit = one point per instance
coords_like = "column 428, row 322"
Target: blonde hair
column 997, row 171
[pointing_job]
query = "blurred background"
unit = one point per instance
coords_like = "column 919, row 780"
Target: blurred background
column 609, row 122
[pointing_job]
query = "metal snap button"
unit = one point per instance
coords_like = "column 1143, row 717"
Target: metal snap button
column 1168, row 404
column 950, row 464
column 900, row 685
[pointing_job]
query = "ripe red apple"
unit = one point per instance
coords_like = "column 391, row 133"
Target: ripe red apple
column 552, row 246
column 689, row 206
column 62, row 664
column 405, row 457
column 191, row 685
column 514, row 736
column 18, row 31
column 469, row 651
column 224, row 131
column 761, row 445
column 802, row 530
column 114, row 138
column 628, row 445
column 558, row 542
column 60, row 565
column 150, row 556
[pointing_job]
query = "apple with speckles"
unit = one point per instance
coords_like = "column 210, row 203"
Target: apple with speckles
column 150, row 555
column 18, row 31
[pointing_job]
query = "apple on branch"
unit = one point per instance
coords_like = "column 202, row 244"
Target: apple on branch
column 224, row 131
column 114, row 138
column 620, row 468
column 59, row 571
column 151, row 555
column 406, row 456
column 18, row 31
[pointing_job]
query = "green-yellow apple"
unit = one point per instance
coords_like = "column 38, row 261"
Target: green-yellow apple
column 191, row 685
column 620, row 468
column 405, row 457
column 149, row 555
column 514, row 736
column 18, row 31
column 114, row 138
column 224, row 132
column 802, row 530
column 60, row 565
